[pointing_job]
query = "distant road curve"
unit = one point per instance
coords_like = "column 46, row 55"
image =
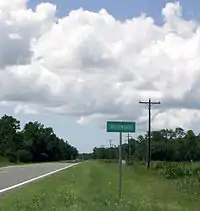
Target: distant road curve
column 15, row 176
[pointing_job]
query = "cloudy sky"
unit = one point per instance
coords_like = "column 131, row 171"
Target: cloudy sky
column 73, row 65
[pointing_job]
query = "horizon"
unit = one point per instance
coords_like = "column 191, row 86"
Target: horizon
column 74, row 69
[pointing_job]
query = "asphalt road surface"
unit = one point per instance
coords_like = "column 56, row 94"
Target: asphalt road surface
column 14, row 175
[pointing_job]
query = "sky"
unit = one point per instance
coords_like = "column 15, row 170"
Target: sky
column 73, row 65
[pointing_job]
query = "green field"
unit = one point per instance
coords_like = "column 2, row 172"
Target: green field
column 93, row 186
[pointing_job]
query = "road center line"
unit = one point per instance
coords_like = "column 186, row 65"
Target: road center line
column 36, row 178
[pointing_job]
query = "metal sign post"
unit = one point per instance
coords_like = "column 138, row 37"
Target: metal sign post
column 120, row 164
column 121, row 127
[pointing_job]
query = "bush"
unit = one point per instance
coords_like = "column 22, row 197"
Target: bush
column 110, row 161
column 12, row 157
column 172, row 171
column 130, row 163
column 178, row 170
column 189, row 171
column 44, row 157
column 142, row 162
column 157, row 165
column 24, row 156
column 196, row 170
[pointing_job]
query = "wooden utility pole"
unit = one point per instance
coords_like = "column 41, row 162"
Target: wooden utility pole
column 110, row 142
column 129, row 147
column 149, row 103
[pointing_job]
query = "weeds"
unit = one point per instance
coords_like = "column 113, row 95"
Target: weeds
column 177, row 170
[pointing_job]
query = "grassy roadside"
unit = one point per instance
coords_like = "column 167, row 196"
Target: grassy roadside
column 92, row 186
column 4, row 162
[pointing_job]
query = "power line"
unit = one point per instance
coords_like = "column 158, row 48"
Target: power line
column 149, row 103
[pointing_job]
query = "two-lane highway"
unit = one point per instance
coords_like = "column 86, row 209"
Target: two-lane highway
column 16, row 176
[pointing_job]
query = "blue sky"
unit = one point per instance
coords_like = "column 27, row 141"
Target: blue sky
column 124, row 9
column 88, row 136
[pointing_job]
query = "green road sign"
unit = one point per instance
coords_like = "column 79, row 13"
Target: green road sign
column 122, row 127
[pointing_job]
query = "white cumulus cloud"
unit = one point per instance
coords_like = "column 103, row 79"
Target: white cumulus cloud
column 93, row 66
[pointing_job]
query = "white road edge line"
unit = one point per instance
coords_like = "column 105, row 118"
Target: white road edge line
column 36, row 178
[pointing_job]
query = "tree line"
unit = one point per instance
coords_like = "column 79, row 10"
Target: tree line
column 33, row 143
column 166, row 145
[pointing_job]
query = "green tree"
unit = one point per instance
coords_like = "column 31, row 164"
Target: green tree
column 9, row 135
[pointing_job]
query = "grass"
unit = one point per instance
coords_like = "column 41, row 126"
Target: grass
column 93, row 186
column 186, row 175
column 4, row 162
